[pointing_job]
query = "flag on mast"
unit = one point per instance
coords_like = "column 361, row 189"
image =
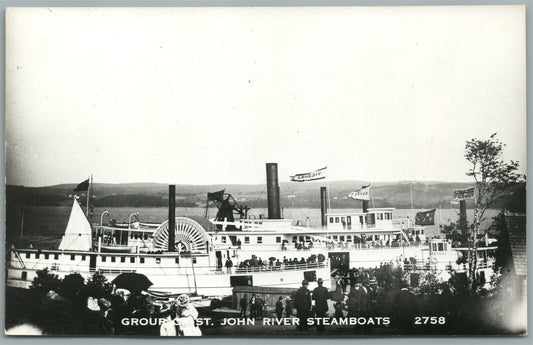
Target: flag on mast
column 425, row 217
column 82, row 187
column 361, row 194
column 467, row 193
column 310, row 176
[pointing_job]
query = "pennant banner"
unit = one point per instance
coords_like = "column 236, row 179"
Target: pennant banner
column 311, row 176
column 425, row 218
column 84, row 186
column 361, row 194
column 464, row 193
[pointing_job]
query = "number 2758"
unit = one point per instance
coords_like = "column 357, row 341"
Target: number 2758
column 430, row 320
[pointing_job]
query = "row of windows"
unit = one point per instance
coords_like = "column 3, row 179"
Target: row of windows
column 247, row 239
column 340, row 238
column 348, row 219
column 440, row 247
column 343, row 220
column 300, row 238
column 38, row 256
column 104, row 258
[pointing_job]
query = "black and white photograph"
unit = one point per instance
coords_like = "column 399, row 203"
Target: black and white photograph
column 335, row 171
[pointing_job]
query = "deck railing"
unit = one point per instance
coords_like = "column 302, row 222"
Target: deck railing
column 273, row 268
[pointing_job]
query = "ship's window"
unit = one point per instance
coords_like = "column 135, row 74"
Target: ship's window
column 37, row 255
column 343, row 220
column 441, row 247
column 104, row 259
column 223, row 239
column 307, row 238
column 336, row 219
column 379, row 216
column 145, row 236
column 193, row 260
column 331, row 219
column 421, row 232
column 157, row 260
column 141, row 260
column 132, row 260
column 24, row 275
column 136, row 236
column 113, row 259
column 349, row 220
column 83, row 258
column 388, row 215
column 342, row 238
column 46, row 256
column 28, row 255
column 56, row 256
column 246, row 239
column 122, row 259
column 349, row 238
column 259, row 239
column 294, row 239
column 278, row 239
column 335, row 237
column 177, row 260
column 72, row 257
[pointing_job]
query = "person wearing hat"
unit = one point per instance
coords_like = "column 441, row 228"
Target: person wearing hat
column 302, row 302
column 405, row 307
column 320, row 296
column 186, row 317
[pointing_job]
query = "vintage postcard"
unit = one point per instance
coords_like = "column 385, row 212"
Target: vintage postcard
column 267, row 171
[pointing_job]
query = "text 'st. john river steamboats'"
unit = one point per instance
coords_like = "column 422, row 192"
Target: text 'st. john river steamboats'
column 209, row 257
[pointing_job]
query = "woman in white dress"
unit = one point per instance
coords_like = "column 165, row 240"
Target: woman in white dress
column 186, row 317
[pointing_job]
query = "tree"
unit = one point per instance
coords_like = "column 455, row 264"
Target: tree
column 493, row 178
column 45, row 281
column 98, row 286
column 455, row 233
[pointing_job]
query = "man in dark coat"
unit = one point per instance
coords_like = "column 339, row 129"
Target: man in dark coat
column 302, row 302
column 244, row 305
column 320, row 296
column 406, row 308
column 279, row 307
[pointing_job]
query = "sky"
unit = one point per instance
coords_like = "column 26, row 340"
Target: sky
column 209, row 95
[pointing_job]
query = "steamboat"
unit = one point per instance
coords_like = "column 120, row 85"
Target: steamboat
column 210, row 256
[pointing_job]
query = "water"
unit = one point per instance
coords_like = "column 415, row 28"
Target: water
column 44, row 225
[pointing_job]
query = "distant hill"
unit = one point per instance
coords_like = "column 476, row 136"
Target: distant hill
column 385, row 194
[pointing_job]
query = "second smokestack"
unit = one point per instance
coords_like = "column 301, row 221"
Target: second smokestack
column 171, row 217
column 323, row 205
column 274, row 209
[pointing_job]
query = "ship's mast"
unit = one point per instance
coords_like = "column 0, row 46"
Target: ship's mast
column 88, row 194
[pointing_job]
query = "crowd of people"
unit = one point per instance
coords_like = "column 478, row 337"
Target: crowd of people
column 258, row 264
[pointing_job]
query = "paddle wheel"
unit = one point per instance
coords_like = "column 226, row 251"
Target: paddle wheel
column 189, row 236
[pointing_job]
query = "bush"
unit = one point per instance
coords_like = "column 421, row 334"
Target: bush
column 98, row 286
column 45, row 281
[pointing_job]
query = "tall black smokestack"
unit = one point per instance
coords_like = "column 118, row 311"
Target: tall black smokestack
column 463, row 223
column 323, row 205
column 365, row 206
column 171, row 217
column 274, row 210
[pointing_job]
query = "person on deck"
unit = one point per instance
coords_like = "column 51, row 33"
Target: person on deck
column 302, row 302
column 320, row 296
column 279, row 307
column 244, row 305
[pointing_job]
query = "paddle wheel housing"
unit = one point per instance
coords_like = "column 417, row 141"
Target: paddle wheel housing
column 189, row 236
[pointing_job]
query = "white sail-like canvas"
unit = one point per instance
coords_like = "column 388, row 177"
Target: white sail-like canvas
column 78, row 232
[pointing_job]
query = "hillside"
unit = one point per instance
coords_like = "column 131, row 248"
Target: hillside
column 385, row 194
